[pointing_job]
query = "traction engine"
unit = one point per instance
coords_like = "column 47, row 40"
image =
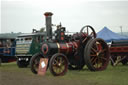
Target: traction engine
column 71, row 51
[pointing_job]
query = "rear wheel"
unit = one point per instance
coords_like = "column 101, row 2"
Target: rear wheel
column 96, row 55
column 34, row 62
column 58, row 64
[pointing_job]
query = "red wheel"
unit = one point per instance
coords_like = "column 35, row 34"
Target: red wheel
column 96, row 55
column 58, row 64
column 89, row 30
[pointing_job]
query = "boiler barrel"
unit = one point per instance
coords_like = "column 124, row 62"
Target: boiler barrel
column 52, row 48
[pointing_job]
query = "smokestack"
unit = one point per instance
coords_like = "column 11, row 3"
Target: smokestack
column 48, row 16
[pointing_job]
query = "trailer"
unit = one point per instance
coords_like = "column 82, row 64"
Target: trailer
column 119, row 52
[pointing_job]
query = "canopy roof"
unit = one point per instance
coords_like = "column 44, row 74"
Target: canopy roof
column 108, row 35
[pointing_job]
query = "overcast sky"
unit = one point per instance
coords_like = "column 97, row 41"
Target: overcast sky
column 24, row 15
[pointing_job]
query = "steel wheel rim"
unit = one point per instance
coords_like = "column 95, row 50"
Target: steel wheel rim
column 96, row 54
column 59, row 65
column 99, row 55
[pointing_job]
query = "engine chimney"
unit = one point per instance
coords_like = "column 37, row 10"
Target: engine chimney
column 48, row 24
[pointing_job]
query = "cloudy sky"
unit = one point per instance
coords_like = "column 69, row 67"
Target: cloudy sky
column 24, row 15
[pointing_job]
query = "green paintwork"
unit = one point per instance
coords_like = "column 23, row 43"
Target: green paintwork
column 35, row 46
column 26, row 48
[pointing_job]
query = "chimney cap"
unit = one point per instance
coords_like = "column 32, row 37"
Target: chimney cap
column 48, row 13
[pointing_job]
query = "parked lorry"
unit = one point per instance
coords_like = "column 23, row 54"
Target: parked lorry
column 26, row 46
column 7, row 49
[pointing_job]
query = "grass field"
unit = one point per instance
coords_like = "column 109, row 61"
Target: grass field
column 10, row 74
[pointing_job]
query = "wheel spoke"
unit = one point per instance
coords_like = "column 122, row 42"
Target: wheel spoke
column 59, row 70
column 62, row 68
column 61, row 59
column 54, row 65
column 94, row 50
column 98, row 62
column 91, row 34
column 63, row 63
column 98, row 46
column 55, row 61
column 87, row 31
column 54, row 68
column 94, row 60
column 103, row 58
column 93, row 55
column 102, row 51
column 58, row 64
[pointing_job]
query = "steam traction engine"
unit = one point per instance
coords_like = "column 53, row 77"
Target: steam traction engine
column 71, row 51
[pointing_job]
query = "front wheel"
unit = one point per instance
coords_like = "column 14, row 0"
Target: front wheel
column 34, row 62
column 58, row 64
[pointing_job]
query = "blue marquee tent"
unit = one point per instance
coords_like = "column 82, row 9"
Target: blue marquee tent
column 108, row 35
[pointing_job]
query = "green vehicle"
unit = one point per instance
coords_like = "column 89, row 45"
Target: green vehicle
column 26, row 46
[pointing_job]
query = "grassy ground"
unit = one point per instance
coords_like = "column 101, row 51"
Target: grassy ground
column 10, row 74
